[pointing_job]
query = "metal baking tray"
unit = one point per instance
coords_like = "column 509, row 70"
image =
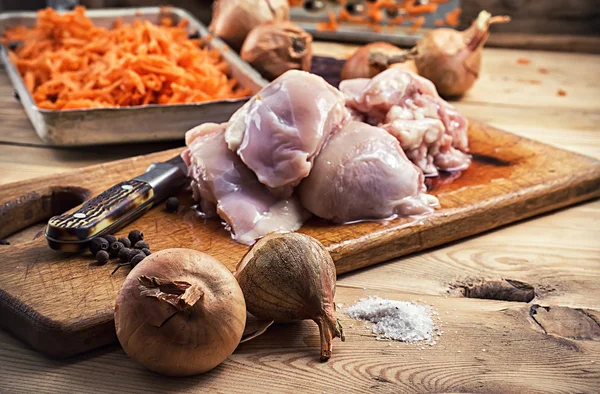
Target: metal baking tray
column 154, row 122
column 400, row 35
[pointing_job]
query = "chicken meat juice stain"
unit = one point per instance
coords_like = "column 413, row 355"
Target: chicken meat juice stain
column 483, row 169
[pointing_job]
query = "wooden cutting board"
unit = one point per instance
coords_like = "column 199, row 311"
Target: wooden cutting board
column 62, row 304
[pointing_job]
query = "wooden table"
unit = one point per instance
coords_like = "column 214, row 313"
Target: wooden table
column 485, row 346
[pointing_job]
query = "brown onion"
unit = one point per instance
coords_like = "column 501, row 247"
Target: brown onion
column 374, row 58
column 452, row 59
column 288, row 277
column 276, row 47
column 180, row 312
column 232, row 20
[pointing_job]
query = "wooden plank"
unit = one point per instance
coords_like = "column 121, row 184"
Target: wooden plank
column 577, row 17
column 74, row 313
column 558, row 254
column 545, row 42
column 486, row 346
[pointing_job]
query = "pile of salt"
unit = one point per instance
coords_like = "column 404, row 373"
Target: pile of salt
column 398, row 320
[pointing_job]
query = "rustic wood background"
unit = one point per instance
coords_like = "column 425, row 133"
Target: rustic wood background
column 563, row 25
column 487, row 346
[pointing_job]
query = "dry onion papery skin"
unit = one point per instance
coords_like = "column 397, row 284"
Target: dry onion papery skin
column 232, row 20
column 371, row 59
column 180, row 312
column 452, row 59
column 287, row 277
column 276, row 47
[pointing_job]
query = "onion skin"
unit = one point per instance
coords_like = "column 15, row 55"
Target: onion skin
column 287, row 277
column 180, row 334
column 360, row 66
column 452, row 59
column 232, row 20
column 276, row 47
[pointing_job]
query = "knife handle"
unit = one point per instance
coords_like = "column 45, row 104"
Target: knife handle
column 99, row 215
column 115, row 207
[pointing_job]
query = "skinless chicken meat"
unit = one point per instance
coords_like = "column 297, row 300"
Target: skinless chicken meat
column 225, row 186
column 362, row 173
column 280, row 131
column 432, row 132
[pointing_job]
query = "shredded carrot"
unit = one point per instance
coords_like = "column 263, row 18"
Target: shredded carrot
column 417, row 23
column 374, row 12
column 561, row 92
column 331, row 25
column 453, row 17
column 346, row 16
column 422, row 8
column 523, row 61
column 67, row 62
column 439, row 22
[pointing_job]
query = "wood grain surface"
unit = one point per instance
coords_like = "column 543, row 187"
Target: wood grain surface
column 558, row 253
column 511, row 178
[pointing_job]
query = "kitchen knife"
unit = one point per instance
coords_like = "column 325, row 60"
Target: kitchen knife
column 115, row 207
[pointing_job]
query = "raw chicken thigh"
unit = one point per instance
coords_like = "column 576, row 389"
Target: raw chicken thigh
column 362, row 173
column 431, row 132
column 280, row 131
column 225, row 186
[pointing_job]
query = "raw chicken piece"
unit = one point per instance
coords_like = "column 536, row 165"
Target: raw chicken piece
column 362, row 173
column 280, row 131
column 225, row 186
column 431, row 132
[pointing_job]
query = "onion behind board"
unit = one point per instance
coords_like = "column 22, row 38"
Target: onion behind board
column 276, row 47
column 232, row 20
column 180, row 312
column 452, row 59
column 371, row 59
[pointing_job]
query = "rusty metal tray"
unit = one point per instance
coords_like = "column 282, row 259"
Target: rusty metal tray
column 147, row 123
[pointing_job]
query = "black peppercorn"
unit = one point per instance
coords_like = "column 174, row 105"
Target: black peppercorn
column 141, row 245
column 146, row 251
column 137, row 259
column 133, row 253
column 172, row 204
column 135, row 235
column 102, row 257
column 125, row 241
column 124, row 254
column 110, row 239
column 98, row 244
column 114, row 248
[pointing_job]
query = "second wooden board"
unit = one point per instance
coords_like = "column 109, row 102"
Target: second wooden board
column 62, row 304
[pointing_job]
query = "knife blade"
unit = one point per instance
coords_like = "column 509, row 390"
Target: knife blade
column 115, row 207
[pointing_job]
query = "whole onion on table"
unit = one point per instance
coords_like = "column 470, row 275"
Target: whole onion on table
column 452, row 59
column 448, row 58
column 287, row 277
column 276, row 47
column 232, row 20
column 180, row 312
column 373, row 58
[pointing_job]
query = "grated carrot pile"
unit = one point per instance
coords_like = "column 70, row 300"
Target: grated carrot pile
column 67, row 62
